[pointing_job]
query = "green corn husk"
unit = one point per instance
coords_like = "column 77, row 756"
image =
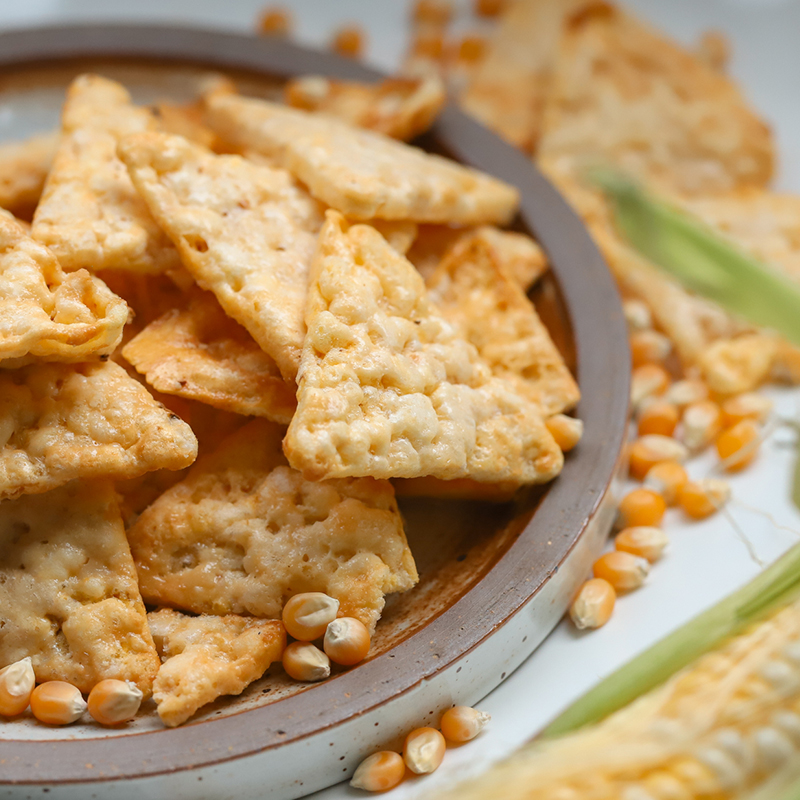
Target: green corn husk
column 702, row 260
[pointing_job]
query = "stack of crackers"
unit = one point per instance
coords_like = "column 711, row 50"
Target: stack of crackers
column 232, row 277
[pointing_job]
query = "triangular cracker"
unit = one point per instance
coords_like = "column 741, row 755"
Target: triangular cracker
column 473, row 291
column 90, row 214
column 68, row 592
column 23, row 169
column 207, row 657
column 361, row 173
column 244, row 532
column 200, row 353
column 49, row 315
column 245, row 232
column 388, row 388
column 60, row 422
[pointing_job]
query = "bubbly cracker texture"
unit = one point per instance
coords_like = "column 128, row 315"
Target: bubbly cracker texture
column 207, row 657
column 47, row 314
column 90, row 215
column 473, row 291
column 245, row 232
column 362, row 173
column 202, row 354
column 23, row 169
column 60, row 422
column 68, row 592
column 244, row 533
column 388, row 388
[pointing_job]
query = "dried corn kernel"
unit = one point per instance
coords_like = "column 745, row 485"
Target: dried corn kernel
column 462, row 723
column 379, row 772
column 649, row 347
column 16, row 684
column 112, row 702
column 428, row 45
column 275, row 22
column 423, row 750
column 307, row 615
column 623, row 571
column 349, row 42
column 738, row 445
column 666, row 478
column 567, row 431
column 652, row 449
column 658, row 417
column 684, row 393
column 593, row 604
column 490, row 8
column 700, row 499
column 471, row 49
column 346, row 641
column 434, row 12
column 750, row 405
column 644, row 541
column 701, row 424
column 637, row 315
column 641, row 507
column 57, row 703
column 647, row 381
column 305, row 662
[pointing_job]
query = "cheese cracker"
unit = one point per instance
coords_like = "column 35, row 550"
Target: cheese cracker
column 23, row 169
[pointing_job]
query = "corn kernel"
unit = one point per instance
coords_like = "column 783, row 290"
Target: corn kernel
column 647, row 381
column 652, row 449
column 435, row 12
column 658, row 417
column 471, row 49
column 644, row 541
column 346, row 641
column 428, row 46
column 462, row 723
column 275, row 22
column 306, row 662
column 112, row 702
column 700, row 499
column 349, row 42
column 750, row 405
column 307, row 615
column 637, row 315
column 701, row 424
column 641, row 507
column 666, row 478
column 649, row 347
column 738, row 445
column 379, row 772
column 490, row 8
column 593, row 605
column 684, row 393
column 623, row 571
column 57, row 703
column 567, row 431
column 423, row 750
column 16, row 684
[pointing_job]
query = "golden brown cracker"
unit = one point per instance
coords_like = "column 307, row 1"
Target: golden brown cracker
column 23, row 170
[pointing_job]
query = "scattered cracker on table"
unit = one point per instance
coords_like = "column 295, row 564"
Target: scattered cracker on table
column 69, row 598
column 60, row 422
column 23, row 169
column 245, row 232
column 90, row 215
column 244, row 532
column 47, row 314
column 388, row 388
column 202, row 354
column 361, row 173
column 206, row 657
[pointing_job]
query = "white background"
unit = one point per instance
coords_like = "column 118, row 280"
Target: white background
column 706, row 560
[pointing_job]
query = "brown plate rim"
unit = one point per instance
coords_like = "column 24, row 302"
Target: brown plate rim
column 593, row 306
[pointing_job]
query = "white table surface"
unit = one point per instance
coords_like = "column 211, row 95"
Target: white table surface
column 706, row 560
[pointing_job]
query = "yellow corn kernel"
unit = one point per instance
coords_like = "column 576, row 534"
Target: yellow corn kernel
column 649, row 347
column 647, row 381
column 659, row 417
column 462, row 723
column 16, row 684
column 275, row 22
column 700, row 499
column 346, row 641
column 567, row 431
column 306, row 662
column 623, row 571
column 471, row 49
column 637, row 315
column 435, row 12
column 593, row 605
column 379, row 772
column 428, row 45
column 641, row 507
column 490, row 8
column 666, row 478
column 652, row 449
column 307, row 615
column 423, row 750
column 348, row 41
column 57, row 703
column 112, row 702
column 737, row 446
column 644, row 541
column 701, row 424
column 684, row 393
column 745, row 406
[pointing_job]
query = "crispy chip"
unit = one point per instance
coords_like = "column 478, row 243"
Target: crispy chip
column 361, row 173
column 185, row 120
column 474, row 292
column 23, row 170
column 68, row 592
column 388, row 388
column 400, row 234
column 398, row 107
column 625, row 95
column 49, row 315
column 207, row 657
column 246, row 233
column 60, row 422
column 244, row 532
column 202, row 354
column 90, row 214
